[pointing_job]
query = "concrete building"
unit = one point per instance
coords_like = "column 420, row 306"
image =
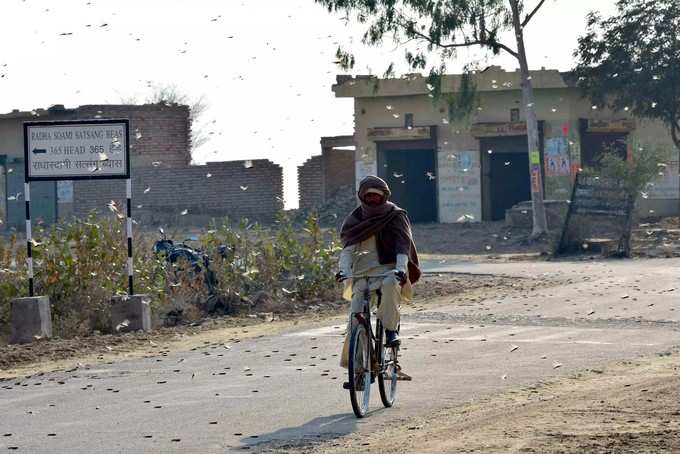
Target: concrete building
column 476, row 169
column 164, row 182
column 322, row 176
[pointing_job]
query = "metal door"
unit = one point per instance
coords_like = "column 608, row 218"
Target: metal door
column 510, row 182
column 505, row 168
column 411, row 175
column 43, row 198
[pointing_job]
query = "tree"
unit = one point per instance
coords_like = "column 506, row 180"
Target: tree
column 631, row 61
column 444, row 26
column 169, row 94
column 635, row 175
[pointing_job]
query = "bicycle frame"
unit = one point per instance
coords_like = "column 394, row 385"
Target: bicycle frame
column 364, row 318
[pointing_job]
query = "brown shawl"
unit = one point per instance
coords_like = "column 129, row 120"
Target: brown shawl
column 389, row 224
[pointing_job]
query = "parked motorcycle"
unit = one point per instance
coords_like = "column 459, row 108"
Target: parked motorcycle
column 199, row 263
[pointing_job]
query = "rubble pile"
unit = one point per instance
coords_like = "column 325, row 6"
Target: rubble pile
column 334, row 210
column 657, row 239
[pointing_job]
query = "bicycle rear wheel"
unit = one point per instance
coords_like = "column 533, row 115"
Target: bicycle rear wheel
column 387, row 378
column 359, row 369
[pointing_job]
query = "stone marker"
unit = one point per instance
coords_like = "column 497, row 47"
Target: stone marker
column 31, row 319
column 130, row 313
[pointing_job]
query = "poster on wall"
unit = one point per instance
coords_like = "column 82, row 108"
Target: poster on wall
column 460, row 189
column 65, row 191
column 557, row 157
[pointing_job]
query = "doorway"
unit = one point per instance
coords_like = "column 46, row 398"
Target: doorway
column 411, row 175
column 505, row 175
column 594, row 145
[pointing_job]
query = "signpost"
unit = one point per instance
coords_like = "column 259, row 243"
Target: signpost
column 77, row 150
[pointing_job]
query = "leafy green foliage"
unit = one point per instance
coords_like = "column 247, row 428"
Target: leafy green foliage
column 441, row 25
column 630, row 61
column 282, row 261
column 637, row 173
column 80, row 265
column 460, row 103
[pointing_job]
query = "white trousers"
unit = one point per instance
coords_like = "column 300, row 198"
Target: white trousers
column 388, row 312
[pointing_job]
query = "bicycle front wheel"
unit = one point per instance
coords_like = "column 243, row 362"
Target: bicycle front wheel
column 359, row 369
column 387, row 377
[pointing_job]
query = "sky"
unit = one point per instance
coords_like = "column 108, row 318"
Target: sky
column 264, row 68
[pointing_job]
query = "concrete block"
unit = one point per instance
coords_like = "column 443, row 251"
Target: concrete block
column 130, row 313
column 521, row 215
column 31, row 319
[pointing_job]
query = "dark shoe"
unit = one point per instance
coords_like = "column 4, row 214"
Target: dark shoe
column 392, row 339
column 359, row 386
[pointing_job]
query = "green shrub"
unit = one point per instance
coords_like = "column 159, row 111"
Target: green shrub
column 281, row 260
column 81, row 264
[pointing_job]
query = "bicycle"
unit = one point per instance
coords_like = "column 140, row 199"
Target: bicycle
column 370, row 358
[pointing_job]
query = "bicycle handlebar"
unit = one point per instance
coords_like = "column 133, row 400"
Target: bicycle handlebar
column 369, row 276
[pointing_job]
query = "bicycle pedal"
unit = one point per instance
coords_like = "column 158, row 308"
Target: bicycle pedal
column 401, row 376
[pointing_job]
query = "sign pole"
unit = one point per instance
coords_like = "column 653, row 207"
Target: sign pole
column 128, row 190
column 29, row 237
column 565, row 226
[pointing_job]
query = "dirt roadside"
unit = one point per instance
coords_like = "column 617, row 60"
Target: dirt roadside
column 47, row 355
column 626, row 407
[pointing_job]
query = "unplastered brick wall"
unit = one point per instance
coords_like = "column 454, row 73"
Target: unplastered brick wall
column 311, row 183
column 338, row 170
column 159, row 133
column 215, row 190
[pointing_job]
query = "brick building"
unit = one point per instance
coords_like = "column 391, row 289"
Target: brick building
column 322, row 176
column 164, row 182
column 477, row 168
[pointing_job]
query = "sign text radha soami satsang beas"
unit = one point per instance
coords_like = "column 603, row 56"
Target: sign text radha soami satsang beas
column 76, row 150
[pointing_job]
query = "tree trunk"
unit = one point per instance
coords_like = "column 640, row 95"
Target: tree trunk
column 540, row 223
column 628, row 232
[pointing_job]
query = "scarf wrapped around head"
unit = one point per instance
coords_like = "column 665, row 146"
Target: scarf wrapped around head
column 387, row 222
column 373, row 182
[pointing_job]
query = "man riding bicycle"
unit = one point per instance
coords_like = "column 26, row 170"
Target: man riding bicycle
column 377, row 240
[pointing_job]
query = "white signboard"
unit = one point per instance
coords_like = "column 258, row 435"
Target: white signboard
column 73, row 150
column 460, row 187
column 65, row 191
column 364, row 169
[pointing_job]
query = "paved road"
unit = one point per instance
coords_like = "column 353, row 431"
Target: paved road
column 282, row 389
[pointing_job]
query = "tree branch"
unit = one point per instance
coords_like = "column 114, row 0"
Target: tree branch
column 531, row 14
column 400, row 44
column 467, row 43
column 505, row 48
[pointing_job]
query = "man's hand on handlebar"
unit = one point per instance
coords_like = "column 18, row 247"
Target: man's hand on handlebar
column 401, row 276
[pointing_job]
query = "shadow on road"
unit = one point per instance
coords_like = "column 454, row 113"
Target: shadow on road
column 319, row 429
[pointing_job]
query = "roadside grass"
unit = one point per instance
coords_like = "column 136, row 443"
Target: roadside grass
column 81, row 264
